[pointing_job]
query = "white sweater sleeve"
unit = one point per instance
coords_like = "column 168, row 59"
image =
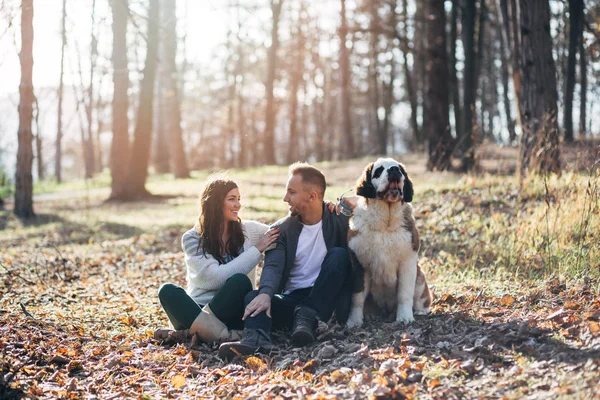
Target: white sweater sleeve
column 205, row 272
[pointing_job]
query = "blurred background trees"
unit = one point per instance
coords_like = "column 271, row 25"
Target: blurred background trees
column 299, row 80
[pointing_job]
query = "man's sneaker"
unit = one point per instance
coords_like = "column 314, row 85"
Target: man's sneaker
column 305, row 326
column 253, row 341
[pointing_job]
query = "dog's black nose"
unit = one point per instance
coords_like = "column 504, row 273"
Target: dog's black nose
column 394, row 172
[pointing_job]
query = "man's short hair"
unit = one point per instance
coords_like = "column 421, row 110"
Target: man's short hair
column 310, row 175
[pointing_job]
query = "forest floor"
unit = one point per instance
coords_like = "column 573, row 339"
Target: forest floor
column 514, row 269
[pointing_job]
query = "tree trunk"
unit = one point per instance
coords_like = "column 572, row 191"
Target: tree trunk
column 512, row 28
column 39, row 154
column 140, row 151
column 23, row 178
column 347, row 149
column 538, row 96
column 505, row 57
column 295, row 80
column 411, row 88
column 172, row 102
column 269, row 135
column 90, row 103
column 375, row 131
column 574, row 36
column 436, row 88
column 119, row 150
column 454, row 88
column 59, row 133
column 466, row 138
column 160, row 153
column 419, row 71
column 583, row 73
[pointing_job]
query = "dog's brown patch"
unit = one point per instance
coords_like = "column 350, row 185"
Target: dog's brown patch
column 351, row 234
column 411, row 226
column 426, row 296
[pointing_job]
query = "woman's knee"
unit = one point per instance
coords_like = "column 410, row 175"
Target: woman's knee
column 167, row 291
column 239, row 282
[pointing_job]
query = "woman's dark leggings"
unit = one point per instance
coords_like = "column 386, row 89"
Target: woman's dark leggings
column 227, row 304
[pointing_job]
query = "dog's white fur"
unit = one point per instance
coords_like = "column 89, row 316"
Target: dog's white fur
column 384, row 245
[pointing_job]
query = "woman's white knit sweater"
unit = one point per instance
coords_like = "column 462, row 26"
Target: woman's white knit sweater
column 205, row 276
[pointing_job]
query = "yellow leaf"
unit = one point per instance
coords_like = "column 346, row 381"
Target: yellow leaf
column 507, row 300
column 434, row 383
column 178, row 381
column 255, row 363
column 594, row 328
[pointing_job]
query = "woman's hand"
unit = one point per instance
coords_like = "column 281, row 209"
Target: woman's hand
column 269, row 237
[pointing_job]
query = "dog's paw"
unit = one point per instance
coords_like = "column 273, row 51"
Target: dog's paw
column 422, row 312
column 404, row 316
column 355, row 320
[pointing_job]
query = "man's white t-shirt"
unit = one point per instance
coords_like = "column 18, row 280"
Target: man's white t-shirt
column 310, row 254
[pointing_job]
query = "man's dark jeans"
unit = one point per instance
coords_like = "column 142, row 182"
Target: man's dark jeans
column 331, row 292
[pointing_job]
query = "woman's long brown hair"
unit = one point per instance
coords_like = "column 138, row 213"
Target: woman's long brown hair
column 211, row 222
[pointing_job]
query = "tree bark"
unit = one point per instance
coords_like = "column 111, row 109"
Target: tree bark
column 295, row 80
column 172, row 102
column 375, row 132
column 119, row 150
column 140, row 151
column 39, row 154
column 410, row 86
column 538, row 96
column 440, row 144
column 505, row 57
column 269, row 135
column 347, row 149
column 454, row 84
column 23, row 206
column 59, row 133
column 574, row 36
column 583, row 73
column 466, row 139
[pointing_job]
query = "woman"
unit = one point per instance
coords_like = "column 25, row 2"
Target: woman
column 220, row 251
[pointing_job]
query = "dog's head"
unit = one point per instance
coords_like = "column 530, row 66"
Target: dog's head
column 385, row 179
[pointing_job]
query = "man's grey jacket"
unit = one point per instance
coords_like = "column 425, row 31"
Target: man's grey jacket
column 279, row 261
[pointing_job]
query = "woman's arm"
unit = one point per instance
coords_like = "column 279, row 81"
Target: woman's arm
column 204, row 271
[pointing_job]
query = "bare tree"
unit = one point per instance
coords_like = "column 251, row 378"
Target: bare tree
column 23, row 177
column 59, row 132
column 440, row 144
column 409, row 82
column 172, row 100
column 269, row 135
column 119, row 150
column 583, row 73
column 140, row 150
column 466, row 139
column 297, row 71
column 505, row 65
column 348, row 149
column 538, row 95
column 575, row 22
column 454, row 84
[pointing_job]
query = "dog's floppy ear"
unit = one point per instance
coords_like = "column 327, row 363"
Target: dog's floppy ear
column 407, row 191
column 364, row 187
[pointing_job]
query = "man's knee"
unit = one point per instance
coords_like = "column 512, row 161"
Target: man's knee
column 250, row 296
column 167, row 291
column 239, row 282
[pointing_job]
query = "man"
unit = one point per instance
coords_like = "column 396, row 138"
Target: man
column 305, row 277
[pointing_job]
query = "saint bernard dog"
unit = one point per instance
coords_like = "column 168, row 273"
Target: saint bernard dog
column 384, row 245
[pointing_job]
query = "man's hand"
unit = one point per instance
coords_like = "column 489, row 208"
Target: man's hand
column 261, row 303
